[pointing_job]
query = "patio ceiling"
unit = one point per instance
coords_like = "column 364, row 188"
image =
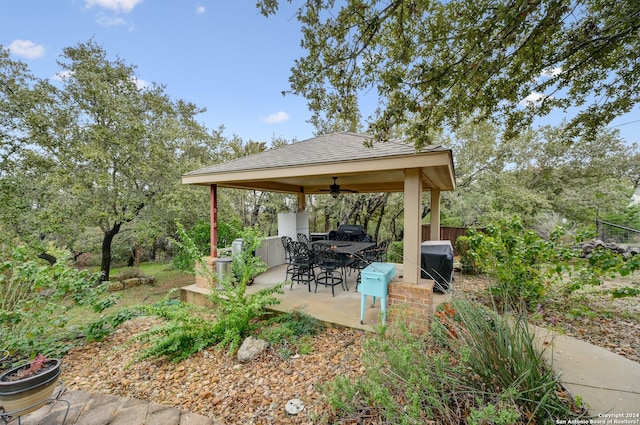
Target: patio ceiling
column 307, row 167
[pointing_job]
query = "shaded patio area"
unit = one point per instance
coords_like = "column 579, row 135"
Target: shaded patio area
column 341, row 310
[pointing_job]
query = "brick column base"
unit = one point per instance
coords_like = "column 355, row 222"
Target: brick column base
column 204, row 277
column 411, row 304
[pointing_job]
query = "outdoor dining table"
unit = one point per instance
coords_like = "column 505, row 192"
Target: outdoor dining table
column 347, row 248
column 348, row 252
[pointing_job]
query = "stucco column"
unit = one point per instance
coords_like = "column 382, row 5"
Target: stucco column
column 302, row 202
column 213, row 220
column 434, row 230
column 412, row 224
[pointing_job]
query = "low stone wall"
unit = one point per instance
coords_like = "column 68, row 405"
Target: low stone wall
column 626, row 250
column 130, row 283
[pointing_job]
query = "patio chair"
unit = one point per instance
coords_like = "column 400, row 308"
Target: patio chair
column 381, row 250
column 303, row 238
column 330, row 265
column 286, row 241
column 302, row 264
column 362, row 260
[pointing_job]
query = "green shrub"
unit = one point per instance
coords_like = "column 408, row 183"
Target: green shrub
column 245, row 265
column 500, row 354
column 188, row 330
column 395, row 252
column 467, row 262
column 200, row 237
column 291, row 332
column 522, row 264
column 626, row 291
column 34, row 300
column 474, row 367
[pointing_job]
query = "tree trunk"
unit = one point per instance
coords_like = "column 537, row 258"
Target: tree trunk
column 105, row 267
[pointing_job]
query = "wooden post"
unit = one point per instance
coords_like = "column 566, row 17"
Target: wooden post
column 213, row 198
column 434, row 230
column 412, row 224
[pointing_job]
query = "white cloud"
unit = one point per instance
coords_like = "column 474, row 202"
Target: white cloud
column 62, row 75
column 124, row 6
column 141, row 84
column 552, row 72
column 533, row 98
column 26, row 48
column 108, row 21
column 276, row 118
column 200, row 9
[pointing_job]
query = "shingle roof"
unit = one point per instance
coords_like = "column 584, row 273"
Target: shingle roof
column 328, row 148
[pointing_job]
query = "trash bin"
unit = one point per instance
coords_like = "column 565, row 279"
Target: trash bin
column 236, row 246
column 223, row 267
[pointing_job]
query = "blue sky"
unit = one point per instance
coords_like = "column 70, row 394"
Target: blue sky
column 219, row 54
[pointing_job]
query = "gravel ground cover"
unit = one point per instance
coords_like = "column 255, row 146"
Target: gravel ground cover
column 215, row 384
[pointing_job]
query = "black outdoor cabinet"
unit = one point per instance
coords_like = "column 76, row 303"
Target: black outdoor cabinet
column 436, row 263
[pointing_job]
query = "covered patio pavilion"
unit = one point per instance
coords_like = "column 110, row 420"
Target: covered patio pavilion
column 308, row 168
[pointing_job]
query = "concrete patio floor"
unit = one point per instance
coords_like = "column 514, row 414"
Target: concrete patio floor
column 343, row 309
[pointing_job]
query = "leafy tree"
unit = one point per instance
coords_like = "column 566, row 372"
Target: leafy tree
column 537, row 174
column 23, row 178
column 435, row 64
column 116, row 147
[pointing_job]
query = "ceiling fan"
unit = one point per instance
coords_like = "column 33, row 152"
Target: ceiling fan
column 334, row 189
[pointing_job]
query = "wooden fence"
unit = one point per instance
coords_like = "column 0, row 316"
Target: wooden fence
column 446, row 233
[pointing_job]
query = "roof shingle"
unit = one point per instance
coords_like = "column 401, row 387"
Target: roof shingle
column 328, row 148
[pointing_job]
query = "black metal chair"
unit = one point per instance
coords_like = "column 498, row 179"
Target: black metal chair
column 302, row 263
column 381, row 250
column 362, row 260
column 286, row 242
column 330, row 265
column 303, row 238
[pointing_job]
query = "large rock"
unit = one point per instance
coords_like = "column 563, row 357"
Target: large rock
column 251, row 348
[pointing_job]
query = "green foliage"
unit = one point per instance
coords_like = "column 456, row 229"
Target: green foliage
column 500, row 352
column 474, row 367
column 200, row 236
column 395, row 252
column 105, row 326
column 626, row 291
column 438, row 64
column 228, row 231
column 34, row 300
column 290, row 332
column 108, row 153
column 492, row 414
column 522, row 264
column 245, row 265
column 467, row 262
column 188, row 330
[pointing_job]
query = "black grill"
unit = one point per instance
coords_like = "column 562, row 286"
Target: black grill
column 351, row 232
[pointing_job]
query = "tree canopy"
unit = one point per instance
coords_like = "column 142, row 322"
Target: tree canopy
column 436, row 64
column 107, row 147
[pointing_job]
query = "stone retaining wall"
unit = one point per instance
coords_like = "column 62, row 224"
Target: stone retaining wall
column 130, row 283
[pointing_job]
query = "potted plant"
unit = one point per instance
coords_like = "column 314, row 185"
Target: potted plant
column 23, row 388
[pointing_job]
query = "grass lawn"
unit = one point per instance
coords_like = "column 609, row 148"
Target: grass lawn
column 167, row 278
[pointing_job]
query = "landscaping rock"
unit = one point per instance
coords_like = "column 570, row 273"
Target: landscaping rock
column 294, row 406
column 250, row 349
